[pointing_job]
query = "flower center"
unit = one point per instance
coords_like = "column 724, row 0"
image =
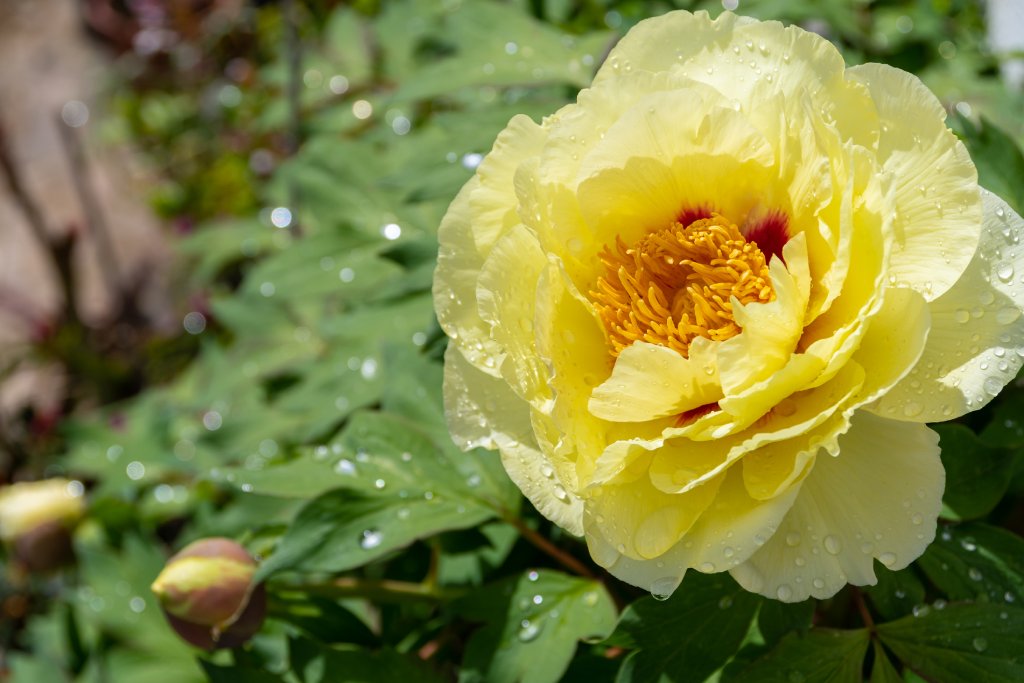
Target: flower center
column 676, row 284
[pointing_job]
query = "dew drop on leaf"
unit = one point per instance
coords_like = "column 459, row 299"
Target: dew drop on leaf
column 371, row 538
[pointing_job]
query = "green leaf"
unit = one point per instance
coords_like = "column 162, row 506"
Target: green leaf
column 346, row 44
column 315, row 663
column 463, row 562
column 413, row 455
column 115, row 599
column 998, row 158
column 388, row 456
column 26, row 668
column 961, row 643
column 533, row 623
column 776, row 619
column 232, row 674
column 1006, row 429
column 413, row 390
column 976, row 562
column 896, row 593
column 882, row 669
column 528, row 52
column 339, row 264
column 819, row 656
column 342, row 529
column 217, row 245
column 689, row 636
column 325, row 620
column 588, row 668
column 977, row 475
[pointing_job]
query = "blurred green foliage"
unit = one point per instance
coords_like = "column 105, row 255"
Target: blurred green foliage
column 310, row 425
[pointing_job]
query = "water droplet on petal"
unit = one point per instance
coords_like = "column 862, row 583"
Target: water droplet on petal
column 1007, row 315
column 784, row 592
column 662, row 588
column 833, row 545
column 912, row 409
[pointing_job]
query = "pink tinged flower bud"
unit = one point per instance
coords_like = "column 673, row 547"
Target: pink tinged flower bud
column 207, row 594
column 37, row 519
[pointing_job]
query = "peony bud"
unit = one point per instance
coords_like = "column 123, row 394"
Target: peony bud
column 36, row 521
column 207, row 594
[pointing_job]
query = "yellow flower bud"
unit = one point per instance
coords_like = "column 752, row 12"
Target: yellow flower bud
column 36, row 520
column 207, row 594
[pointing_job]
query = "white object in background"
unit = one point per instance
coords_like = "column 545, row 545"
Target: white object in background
column 1006, row 36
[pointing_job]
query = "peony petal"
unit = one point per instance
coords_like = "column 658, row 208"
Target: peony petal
column 577, row 128
column 749, row 406
column 894, row 341
column 937, row 198
column 641, row 521
column 774, row 469
column 571, row 341
column 512, row 268
column 675, row 124
column 479, row 214
column 976, row 343
column 879, row 498
column 651, row 381
column 458, row 267
column 860, row 216
column 800, row 64
column 494, row 202
column 770, row 330
column 835, row 335
column 858, row 274
column 471, row 406
column 729, row 531
column 891, row 346
column 529, row 468
column 681, row 464
column 482, row 411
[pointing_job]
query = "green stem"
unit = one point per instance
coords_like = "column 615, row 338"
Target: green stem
column 379, row 590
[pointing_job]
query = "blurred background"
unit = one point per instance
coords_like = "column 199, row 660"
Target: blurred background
column 217, row 216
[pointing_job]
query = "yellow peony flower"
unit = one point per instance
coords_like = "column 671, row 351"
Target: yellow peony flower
column 705, row 311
